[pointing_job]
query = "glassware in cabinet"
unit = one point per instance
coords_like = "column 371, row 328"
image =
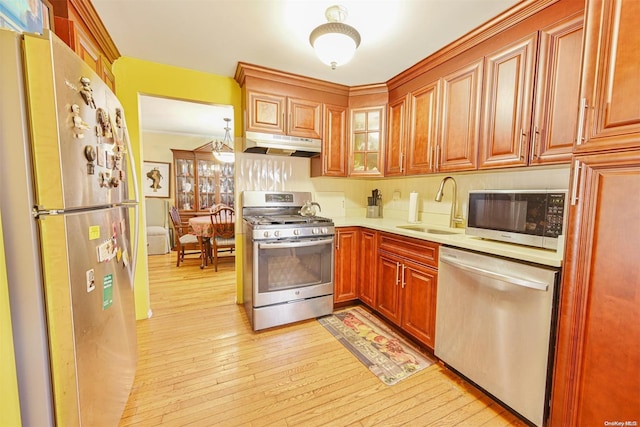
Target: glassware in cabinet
column 366, row 141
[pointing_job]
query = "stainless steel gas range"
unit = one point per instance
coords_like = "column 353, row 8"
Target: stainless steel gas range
column 288, row 259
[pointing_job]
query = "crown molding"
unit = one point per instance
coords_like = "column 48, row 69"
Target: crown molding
column 96, row 28
column 244, row 70
column 491, row 28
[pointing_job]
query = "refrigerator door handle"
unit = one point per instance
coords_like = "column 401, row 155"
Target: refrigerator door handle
column 135, row 202
column 494, row 275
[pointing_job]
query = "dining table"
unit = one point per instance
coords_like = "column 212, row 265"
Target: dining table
column 201, row 227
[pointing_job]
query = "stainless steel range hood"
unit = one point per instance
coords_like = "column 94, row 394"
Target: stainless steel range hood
column 281, row 145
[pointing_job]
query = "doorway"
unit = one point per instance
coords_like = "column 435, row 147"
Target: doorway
column 168, row 124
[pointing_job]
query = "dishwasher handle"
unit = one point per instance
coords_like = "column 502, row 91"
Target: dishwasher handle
column 492, row 274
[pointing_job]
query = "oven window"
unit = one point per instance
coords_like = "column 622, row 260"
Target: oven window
column 281, row 268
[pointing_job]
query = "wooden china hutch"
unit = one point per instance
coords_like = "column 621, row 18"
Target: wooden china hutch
column 201, row 181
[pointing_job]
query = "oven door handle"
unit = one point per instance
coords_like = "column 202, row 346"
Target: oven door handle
column 300, row 244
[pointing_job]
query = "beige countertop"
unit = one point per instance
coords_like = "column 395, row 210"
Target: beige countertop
column 458, row 239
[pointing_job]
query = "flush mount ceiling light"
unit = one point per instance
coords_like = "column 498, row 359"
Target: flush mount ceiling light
column 335, row 42
column 222, row 150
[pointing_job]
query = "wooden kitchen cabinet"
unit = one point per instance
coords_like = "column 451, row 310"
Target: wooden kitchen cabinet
column 395, row 148
column 334, row 142
column 388, row 286
column 412, row 131
column 521, row 127
column 77, row 24
column 407, row 285
column 367, row 267
column 553, row 130
column 304, row 118
column 597, row 360
column 597, row 367
column 424, row 112
column 509, row 79
column 346, row 264
column 406, row 296
column 367, row 141
column 610, row 113
column 266, row 113
column 460, row 119
column 438, row 131
column 419, row 291
column 91, row 55
column 283, row 115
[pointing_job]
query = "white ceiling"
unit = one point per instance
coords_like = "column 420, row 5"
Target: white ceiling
column 184, row 117
column 214, row 35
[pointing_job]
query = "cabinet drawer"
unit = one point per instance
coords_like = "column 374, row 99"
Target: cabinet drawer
column 416, row 250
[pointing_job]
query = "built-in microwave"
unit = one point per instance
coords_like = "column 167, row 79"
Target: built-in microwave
column 526, row 217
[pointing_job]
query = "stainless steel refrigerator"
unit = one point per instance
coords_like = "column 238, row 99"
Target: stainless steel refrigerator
column 68, row 202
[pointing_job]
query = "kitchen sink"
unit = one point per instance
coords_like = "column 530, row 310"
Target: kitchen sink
column 425, row 229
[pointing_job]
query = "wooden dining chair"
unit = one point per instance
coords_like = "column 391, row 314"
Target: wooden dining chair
column 186, row 244
column 224, row 230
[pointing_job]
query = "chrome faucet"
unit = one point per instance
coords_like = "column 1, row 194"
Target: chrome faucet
column 453, row 219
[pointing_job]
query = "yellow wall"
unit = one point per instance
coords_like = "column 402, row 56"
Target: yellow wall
column 10, row 403
column 137, row 77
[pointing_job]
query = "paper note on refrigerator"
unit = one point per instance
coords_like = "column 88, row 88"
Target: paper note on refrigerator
column 107, row 291
column 94, row 232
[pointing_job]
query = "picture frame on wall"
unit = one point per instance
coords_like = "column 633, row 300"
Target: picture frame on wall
column 31, row 16
column 157, row 179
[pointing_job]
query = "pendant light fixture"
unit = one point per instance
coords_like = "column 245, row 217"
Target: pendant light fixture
column 335, row 42
column 222, row 150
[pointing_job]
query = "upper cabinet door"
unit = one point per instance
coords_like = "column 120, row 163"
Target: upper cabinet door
column 509, row 78
column 367, row 141
column 266, row 112
column 280, row 114
column 610, row 87
column 423, row 125
column 334, row 141
column 460, row 121
column 304, row 118
column 396, row 141
column 557, row 92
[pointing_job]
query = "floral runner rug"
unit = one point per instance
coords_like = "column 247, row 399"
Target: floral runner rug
column 386, row 354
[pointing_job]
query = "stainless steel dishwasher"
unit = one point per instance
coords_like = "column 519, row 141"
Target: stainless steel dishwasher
column 494, row 321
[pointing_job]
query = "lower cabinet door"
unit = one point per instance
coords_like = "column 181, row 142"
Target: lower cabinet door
column 419, row 289
column 597, row 366
column 367, row 271
column 388, row 287
column 346, row 262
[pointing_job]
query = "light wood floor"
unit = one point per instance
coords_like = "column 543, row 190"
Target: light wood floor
column 201, row 365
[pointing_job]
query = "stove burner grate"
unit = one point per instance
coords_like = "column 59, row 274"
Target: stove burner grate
column 288, row 219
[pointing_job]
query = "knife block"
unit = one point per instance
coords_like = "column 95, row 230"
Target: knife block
column 374, row 211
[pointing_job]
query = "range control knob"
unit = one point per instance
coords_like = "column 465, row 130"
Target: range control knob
column 266, row 234
column 315, row 231
column 325, row 230
column 276, row 233
column 296, row 232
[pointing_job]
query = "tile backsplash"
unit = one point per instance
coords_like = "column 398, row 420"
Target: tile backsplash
column 348, row 196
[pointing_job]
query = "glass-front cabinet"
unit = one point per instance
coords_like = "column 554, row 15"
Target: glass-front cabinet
column 226, row 184
column 367, row 126
column 185, row 180
column 201, row 181
column 206, row 184
column 215, row 184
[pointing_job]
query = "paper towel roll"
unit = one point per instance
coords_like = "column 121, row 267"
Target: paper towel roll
column 413, row 206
